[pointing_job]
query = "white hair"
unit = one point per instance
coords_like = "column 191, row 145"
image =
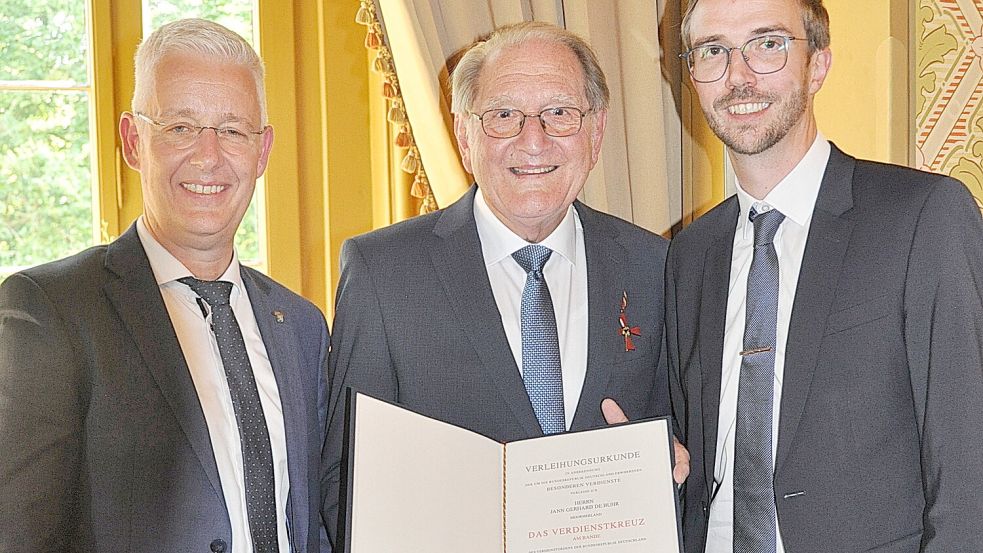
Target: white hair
column 464, row 80
column 198, row 36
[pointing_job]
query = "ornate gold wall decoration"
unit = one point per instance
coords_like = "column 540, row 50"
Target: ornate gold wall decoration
column 949, row 90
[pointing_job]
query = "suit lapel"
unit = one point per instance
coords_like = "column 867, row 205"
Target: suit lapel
column 136, row 297
column 605, row 283
column 712, row 319
column 279, row 343
column 829, row 235
column 460, row 267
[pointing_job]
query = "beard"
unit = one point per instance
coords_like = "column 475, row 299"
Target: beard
column 752, row 139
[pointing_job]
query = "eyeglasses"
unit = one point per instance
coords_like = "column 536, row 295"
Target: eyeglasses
column 763, row 55
column 233, row 137
column 506, row 123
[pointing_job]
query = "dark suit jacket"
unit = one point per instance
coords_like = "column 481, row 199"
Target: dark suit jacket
column 104, row 442
column 880, row 441
column 416, row 323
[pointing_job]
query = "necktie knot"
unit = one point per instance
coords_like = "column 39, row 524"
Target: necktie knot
column 532, row 258
column 214, row 292
column 766, row 224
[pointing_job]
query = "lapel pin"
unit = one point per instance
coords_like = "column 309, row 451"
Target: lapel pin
column 752, row 351
column 279, row 316
column 627, row 331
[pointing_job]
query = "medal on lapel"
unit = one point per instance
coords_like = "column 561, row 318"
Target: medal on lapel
column 627, row 331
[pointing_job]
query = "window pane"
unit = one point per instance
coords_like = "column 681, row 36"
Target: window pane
column 234, row 14
column 43, row 40
column 45, row 179
column 237, row 15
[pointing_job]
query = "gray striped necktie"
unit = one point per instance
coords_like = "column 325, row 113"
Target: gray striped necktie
column 754, row 495
column 541, row 371
column 254, row 437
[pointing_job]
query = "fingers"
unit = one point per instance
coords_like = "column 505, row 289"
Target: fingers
column 612, row 413
column 681, row 470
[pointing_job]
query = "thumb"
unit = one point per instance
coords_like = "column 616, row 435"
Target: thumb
column 612, row 412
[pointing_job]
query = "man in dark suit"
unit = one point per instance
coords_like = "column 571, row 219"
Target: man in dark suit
column 155, row 395
column 435, row 313
column 863, row 313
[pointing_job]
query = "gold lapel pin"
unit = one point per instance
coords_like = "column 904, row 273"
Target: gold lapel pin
column 279, row 316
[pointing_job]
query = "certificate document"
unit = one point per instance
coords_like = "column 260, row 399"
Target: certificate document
column 418, row 484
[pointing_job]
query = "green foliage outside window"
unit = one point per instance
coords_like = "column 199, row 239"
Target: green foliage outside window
column 45, row 179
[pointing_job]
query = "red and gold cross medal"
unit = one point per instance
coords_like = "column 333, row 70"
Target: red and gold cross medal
column 626, row 329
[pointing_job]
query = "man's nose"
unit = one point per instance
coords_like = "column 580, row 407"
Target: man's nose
column 739, row 73
column 532, row 136
column 207, row 149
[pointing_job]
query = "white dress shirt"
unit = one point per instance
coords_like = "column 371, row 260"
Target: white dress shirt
column 795, row 196
column 566, row 276
column 200, row 350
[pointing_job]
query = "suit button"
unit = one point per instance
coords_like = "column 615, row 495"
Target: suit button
column 217, row 546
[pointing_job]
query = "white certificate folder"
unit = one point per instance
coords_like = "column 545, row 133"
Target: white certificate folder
column 416, row 484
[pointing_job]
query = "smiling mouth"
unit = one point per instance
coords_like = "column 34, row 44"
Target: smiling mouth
column 202, row 188
column 533, row 170
column 745, row 109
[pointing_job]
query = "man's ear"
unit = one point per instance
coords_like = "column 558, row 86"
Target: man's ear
column 264, row 154
column 130, row 138
column 463, row 145
column 597, row 134
column 819, row 64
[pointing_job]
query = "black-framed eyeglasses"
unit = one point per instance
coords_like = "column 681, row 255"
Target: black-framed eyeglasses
column 558, row 122
column 763, row 55
column 183, row 134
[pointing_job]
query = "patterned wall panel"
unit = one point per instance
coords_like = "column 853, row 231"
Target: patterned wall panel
column 949, row 90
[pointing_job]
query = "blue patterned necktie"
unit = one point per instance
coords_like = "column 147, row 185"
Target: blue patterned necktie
column 254, row 437
column 754, row 494
column 540, row 345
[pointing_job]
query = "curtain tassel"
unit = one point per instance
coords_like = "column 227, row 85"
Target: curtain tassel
column 396, row 114
column 428, row 205
column 420, row 188
column 364, row 16
column 403, row 139
column 383, row 63
column 411, row 163
column 389, row 90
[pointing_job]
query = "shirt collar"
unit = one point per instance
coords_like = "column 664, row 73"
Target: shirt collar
column 795, row 195
column 168, row 269
column 498, row 241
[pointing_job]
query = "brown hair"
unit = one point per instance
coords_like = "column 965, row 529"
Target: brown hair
column 815, row 19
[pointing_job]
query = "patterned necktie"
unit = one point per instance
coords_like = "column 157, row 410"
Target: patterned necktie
column 754, row 495
column 540, row 345
column 257, row 455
